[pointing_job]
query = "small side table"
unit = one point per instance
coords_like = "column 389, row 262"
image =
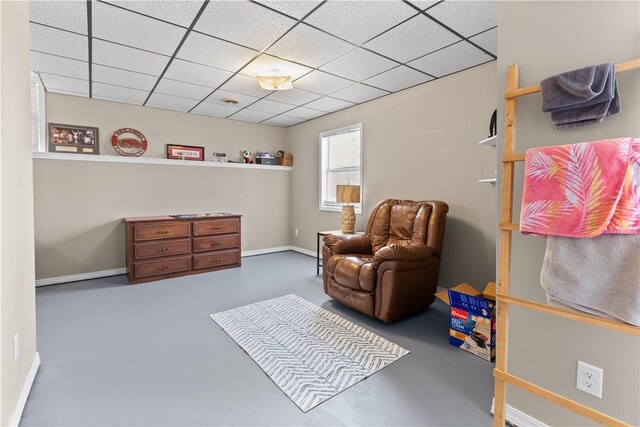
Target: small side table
column 326, row 233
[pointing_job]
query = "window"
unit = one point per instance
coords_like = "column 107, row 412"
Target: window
column 38, row 126
column 340, row 163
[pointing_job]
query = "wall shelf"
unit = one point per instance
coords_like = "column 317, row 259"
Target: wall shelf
column 491, row 141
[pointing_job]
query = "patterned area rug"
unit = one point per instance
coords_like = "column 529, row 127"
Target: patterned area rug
column 309, row 352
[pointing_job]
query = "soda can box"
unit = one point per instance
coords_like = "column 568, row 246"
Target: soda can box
column 472, row 324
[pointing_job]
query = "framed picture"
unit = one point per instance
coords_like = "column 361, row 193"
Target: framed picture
column 73, row 139
column 185, row 152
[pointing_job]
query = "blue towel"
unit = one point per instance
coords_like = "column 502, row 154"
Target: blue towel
column 581, row 97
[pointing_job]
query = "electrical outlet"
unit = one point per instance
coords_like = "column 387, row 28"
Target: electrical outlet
column 590, row 379
column 16, row 347
column 296, row 232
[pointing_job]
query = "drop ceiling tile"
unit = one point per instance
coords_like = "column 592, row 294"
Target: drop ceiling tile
column 65, row 84
column 176, row 11
column 58, row 42
column 358, row 65
column 293, row 96
column 167, row 102
column 295, row 8
column 466, row 17
column 119, row 94
column 251, row 116
column 283, row 121
column 269, row 65
column 115, row 76
column 114, row 55
column 487, row 40
column 41, row 62
column 216, row 110
column 416, row 37
column 219, row 96
column 206, row 50
column 245, row 85
column 424, row 4
column 451, row 59
column 309, row 46
column 329, row 104
column 68, row 15
column 359, row 21
column 266, row 106
column 305, row 113
column 243, row 22
column 121, row 26
column 322, row 83
column 398, row 78
column 197, row 74
column 359, row 93
column 183, row 90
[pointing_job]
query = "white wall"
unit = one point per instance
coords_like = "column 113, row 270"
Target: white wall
column 544, row 39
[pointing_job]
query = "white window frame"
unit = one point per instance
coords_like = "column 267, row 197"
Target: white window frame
column 337, row 207
column 42, row 117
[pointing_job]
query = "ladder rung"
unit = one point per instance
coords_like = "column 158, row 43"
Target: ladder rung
column 509, row 226
column 515, row 157
column 558, row 399
column 572, row 315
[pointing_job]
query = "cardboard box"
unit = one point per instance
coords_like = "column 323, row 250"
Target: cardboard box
column 472, row 320
column 286, row 160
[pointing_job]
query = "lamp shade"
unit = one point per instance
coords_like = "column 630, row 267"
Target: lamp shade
column 348, row 194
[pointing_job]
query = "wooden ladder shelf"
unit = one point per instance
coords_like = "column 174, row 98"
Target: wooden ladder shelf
column 507, row 227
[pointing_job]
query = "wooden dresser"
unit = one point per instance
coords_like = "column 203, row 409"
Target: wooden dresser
column 161, row 247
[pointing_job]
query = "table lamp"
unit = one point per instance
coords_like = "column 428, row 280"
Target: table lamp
column 348, row 194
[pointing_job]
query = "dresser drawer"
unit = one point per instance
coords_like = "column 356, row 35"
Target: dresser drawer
column 156, row 268
column 154, row 250
column 216, row 259
column 204, row 244
column 206, row 228
column 160, row 231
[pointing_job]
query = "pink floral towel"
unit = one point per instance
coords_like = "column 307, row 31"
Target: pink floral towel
column 582, row 190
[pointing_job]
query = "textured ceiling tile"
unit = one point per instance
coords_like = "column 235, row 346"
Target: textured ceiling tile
column 295, row 8
column 197, row 74
column 359, row 93
column 120, row 94
column 398, row 78
column 68, row 15
column 329, row 104
column 309, row 46
column 65, row 84
column 114, row 55
column 416, row 37
column 121, row 26
column 243, row 22
column 283, row 120
column 266, row 106
column 176, row 103
column 251, row 116
column 466, row 17
column 125, row 78
column 219, row 96
column 245, row 86
column 424, row 4
column 176, row 11
column 358, row 65
column 293, row 96
column 305, row 113
column 58, row 42
column 183, row 90
column 359, row 21
column 487, row 40
column 41, row 62
column 215, row 110
column 451, row 59
column 322, row 83
column 270, row 65
column 206, row 50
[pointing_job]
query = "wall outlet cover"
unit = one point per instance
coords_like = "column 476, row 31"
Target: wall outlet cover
column 589, row 379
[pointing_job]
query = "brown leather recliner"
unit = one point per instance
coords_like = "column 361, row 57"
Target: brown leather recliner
column 392, row 270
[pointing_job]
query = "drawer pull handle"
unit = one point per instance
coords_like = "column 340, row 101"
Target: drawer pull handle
column 217, row 227
column 216, row 243
column 218, row 260
column 164, row 249
column 164, row 267
column 163, row 231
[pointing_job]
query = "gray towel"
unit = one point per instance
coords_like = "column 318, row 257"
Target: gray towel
column 581, row 97
column 600, row 275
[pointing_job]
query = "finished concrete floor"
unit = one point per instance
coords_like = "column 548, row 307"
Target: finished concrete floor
column 149, row 355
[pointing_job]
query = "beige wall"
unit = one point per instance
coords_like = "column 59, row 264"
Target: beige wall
column 79, row 205
column 421, row 144
column 547, row 38
column 17, row 299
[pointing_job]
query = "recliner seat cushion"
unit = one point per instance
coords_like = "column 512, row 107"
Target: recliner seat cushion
column 354, row 272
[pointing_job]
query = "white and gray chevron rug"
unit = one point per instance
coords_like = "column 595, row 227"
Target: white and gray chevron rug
column 309, row 352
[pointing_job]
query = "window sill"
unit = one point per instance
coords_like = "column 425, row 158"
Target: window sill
column 338, row 209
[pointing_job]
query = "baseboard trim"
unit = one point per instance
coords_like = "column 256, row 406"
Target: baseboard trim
column 265, row 251
column 303, row 251
column 26, row 389
column 517, row 418
column 79, row 277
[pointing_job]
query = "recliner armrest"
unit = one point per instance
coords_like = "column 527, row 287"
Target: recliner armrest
column 357, row 244
column 403, row 253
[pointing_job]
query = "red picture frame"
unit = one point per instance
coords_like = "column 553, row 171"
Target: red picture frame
column 185, row 152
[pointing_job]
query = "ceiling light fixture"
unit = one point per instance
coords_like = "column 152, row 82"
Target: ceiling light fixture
column 230, row 101
column 275, row 82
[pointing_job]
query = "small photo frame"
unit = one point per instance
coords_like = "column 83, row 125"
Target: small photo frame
column 73, row 139
column 185, row 152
